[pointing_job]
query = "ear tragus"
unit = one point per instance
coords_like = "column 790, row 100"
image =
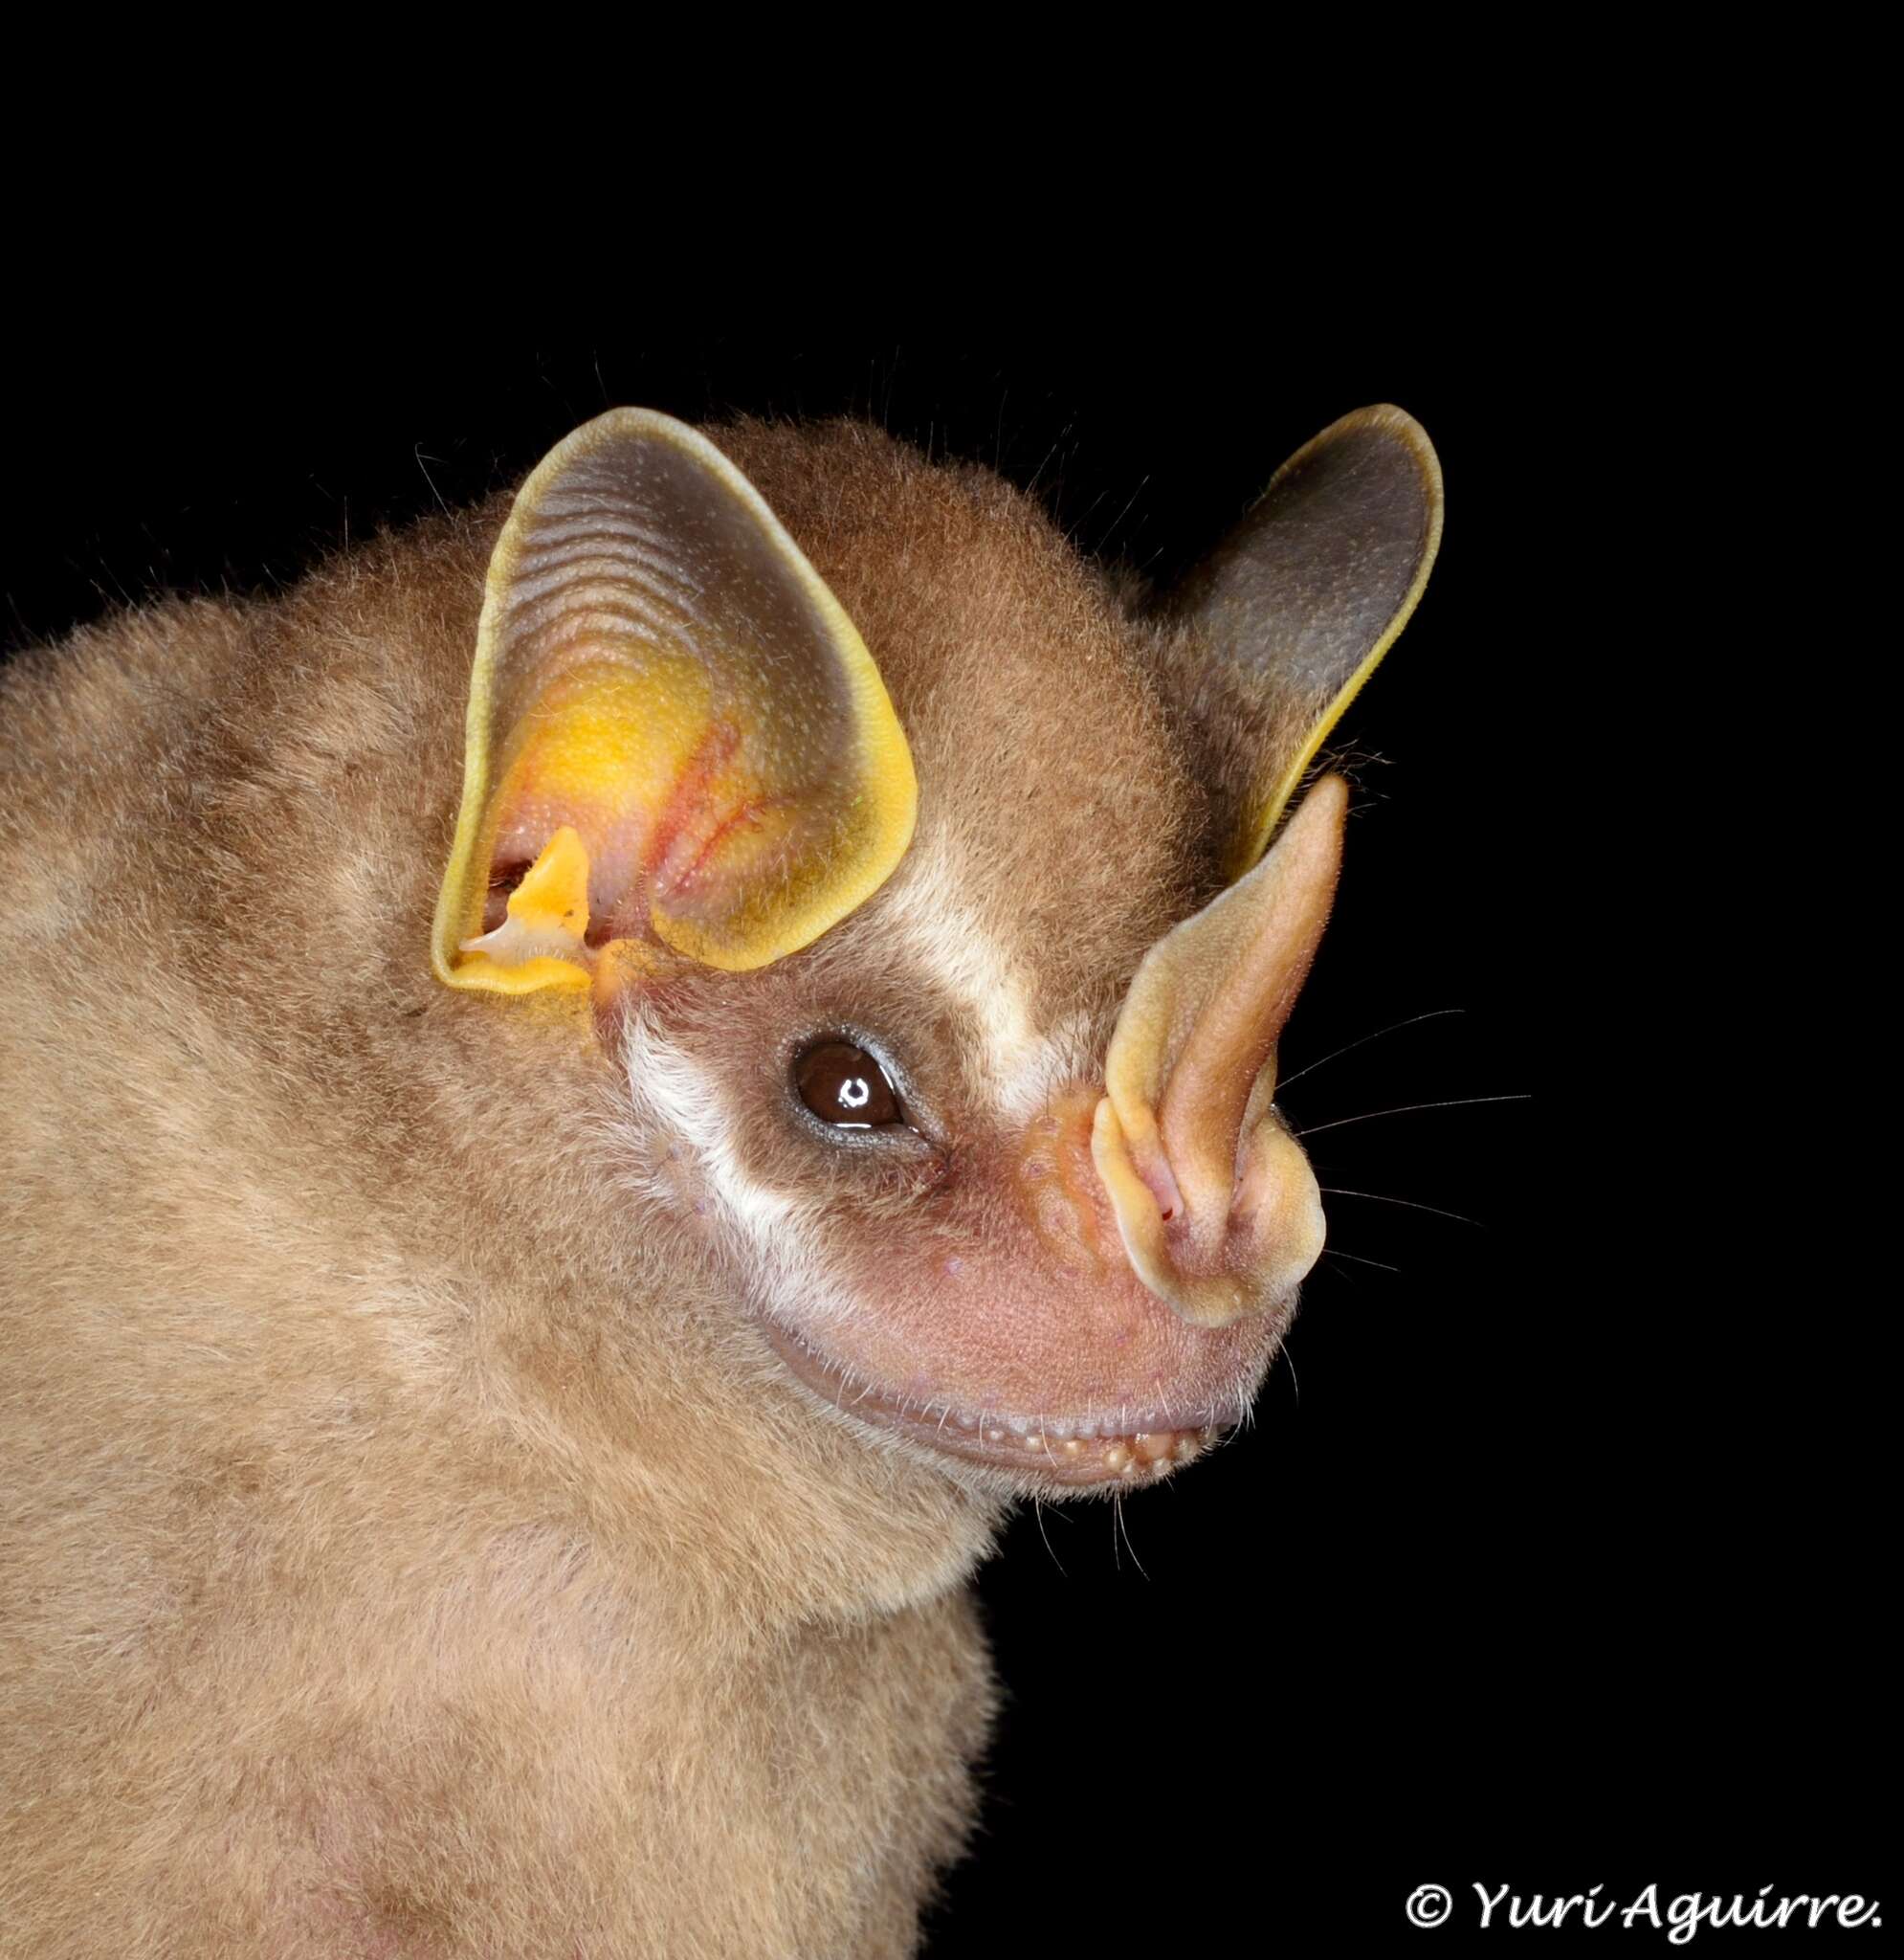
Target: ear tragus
column 1310, row 589
column 675, row 732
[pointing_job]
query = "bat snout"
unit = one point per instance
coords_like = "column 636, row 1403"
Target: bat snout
column 1059, row 1188
column 1216, row 1206
column 1215, row 1257
column 1100, row 1210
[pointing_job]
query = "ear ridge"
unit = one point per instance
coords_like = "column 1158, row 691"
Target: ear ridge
column 660, row 669
column 1312, row 587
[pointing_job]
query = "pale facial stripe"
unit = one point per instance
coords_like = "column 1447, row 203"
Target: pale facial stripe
column 769, row 1230
column 1020, row 1065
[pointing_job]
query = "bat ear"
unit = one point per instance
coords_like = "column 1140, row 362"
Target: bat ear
column 677, row 739
column 1310, row 589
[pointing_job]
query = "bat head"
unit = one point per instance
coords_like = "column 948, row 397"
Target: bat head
column 934, row 910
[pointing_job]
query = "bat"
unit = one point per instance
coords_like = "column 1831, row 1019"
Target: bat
column 596, row 1091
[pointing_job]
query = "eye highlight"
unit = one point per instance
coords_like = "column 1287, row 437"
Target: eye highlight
column 845, row 1086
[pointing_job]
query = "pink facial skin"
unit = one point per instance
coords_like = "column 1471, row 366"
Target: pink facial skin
column 1012, row 1332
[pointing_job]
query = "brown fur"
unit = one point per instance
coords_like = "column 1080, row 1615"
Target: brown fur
column 412, row 1547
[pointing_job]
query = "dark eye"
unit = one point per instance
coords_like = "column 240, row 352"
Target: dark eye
column 843, row 1085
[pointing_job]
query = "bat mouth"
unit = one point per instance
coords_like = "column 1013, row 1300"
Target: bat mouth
column 1077, row 1450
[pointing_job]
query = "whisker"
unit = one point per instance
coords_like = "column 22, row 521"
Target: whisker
column 1332, row 1251
column 1117, row 1512
column 1405, row 1108
column 1309, row 1068
column 1038, row 1508
column 1335, row 1191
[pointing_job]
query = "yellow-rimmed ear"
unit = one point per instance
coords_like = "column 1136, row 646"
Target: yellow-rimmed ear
column 675, row 736
column 1311, row 589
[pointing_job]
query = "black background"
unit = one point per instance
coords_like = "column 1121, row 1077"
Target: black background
column 1553, row 1558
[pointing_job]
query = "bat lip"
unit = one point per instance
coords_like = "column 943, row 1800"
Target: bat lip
column 1078, row 1451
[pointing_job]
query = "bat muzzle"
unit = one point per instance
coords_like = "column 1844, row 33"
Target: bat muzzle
column 1215, row 1205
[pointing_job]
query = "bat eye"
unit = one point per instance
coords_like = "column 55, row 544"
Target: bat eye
column 844, row 1085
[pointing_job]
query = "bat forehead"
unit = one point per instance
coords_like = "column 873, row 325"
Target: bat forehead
column 961, row 951
column 1060, row 818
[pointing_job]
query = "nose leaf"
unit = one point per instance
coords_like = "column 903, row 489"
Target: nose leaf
column 1215, row 1202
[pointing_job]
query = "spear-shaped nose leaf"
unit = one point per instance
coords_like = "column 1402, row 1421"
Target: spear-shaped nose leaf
column 1215, row 1202
column 1214, row 1199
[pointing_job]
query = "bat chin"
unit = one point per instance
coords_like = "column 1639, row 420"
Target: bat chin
column 1080, row 1450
